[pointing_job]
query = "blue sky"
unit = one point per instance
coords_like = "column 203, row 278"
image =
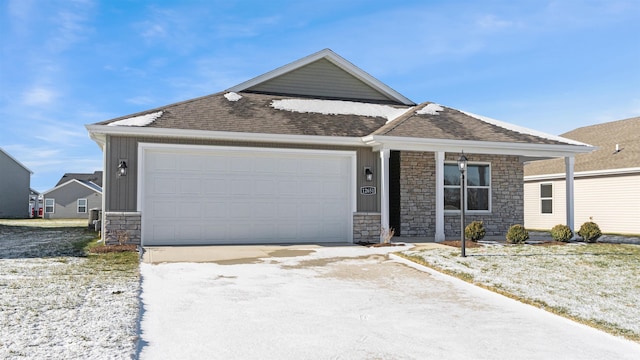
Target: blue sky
column 548, row 65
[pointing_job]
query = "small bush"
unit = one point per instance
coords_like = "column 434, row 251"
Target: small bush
column 561, row 233
column 590, row 232
column 517, row 234
column 475, row 231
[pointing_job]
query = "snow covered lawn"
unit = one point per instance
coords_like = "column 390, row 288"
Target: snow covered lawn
column 347, row 303
column 55, row 303
column 595, row 283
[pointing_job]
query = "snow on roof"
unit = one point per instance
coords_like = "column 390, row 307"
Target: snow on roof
column 523, row 130
column 338, row 107
column 142, row 120
column 430, row 109
column 231, row 96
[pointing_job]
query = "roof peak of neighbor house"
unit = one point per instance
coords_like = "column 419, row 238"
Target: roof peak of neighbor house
column 89, row 184
column 15, row 160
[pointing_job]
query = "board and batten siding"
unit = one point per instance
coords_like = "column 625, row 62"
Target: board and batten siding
column 121, row 192
column 321, row 79
column 613, row 202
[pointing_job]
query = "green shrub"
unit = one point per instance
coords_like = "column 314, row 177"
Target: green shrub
column 561, row 233
column 517, row 234
column 474, row 231
column 590, row 231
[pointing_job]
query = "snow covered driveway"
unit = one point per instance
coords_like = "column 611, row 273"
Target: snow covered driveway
column 347, row 303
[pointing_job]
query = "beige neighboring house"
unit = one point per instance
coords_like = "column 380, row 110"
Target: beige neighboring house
column 607, row 181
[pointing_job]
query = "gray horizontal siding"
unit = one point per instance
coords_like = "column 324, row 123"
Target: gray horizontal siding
column 121, row 192
column 321, row 79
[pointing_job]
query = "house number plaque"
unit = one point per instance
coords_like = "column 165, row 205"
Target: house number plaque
column 368, row 190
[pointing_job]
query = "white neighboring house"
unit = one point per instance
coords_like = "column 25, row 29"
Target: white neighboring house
column 607, row 181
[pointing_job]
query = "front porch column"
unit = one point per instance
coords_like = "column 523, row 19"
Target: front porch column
column 384, row 192
column 569, row 162
column 439, row 236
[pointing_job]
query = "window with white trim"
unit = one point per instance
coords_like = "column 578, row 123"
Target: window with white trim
column 478, row 185
column 82, row 206
column 49, row 205
column 546, row 198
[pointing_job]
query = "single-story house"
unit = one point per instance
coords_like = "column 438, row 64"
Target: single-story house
column 315, row 151
column 73, row 196
column 607, row 181
column 15, row 185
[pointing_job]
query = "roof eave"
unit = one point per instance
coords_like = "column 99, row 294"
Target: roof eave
column 99, row 132
column 478, row 147
column 590, row 173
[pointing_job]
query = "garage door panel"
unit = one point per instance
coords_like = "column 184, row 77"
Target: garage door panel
column 218, row 196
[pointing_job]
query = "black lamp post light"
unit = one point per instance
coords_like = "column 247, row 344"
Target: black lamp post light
column 462, row 165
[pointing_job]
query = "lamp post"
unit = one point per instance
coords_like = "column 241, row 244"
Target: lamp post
column 462, row 165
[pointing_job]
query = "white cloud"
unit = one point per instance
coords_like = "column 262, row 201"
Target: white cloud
column 492, row 22
column 39, row 96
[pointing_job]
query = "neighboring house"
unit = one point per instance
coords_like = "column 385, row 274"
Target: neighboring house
column 607, row 181
column 73, row 197
column 35, row 204
column 15, row 182
column 315, row 151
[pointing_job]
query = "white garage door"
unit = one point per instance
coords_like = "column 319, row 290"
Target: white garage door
column 213, row 195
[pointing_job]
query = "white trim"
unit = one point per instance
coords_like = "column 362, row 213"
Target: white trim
column 473, row 146
column 542, row 198
column 97, row 133
column 384, row 192
column 440, row 233
column 53, row 207
column 606, row 172
column 143, row 148
column 86, row 205
column 337, row 60
column 70, row 181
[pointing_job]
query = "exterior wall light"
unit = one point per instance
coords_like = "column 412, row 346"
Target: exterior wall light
column 462, row 165
column 368, row 174
column 122, row 168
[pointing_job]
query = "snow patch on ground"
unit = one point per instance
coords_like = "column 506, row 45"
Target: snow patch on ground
column 54, row 305
column 142, row 120
column 232, row 96
column 430, row 109
column 523, row 130
column 338, row 107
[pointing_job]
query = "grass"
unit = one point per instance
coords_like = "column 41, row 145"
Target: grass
column 59, row 300
column 595, row 284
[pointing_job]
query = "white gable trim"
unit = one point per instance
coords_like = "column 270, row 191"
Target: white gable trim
column 69, row 182
column 337, row 60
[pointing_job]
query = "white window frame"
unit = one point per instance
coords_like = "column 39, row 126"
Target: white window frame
column 543, row 198
column 467, row 187
column 53, row 205
column 78, row 206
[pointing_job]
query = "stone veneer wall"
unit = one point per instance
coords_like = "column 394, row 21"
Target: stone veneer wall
column 122, row 226
column 417, row 195
column 366, row 227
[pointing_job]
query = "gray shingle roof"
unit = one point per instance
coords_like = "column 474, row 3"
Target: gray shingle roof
column 95, row 178
column 625, row 133
column 253, row 113
column 453, row 124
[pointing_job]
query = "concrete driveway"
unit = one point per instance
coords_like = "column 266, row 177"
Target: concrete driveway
column 313, row 302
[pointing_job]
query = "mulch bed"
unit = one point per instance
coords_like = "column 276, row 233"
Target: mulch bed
column 103, row 249
column 370, row 244
column 458, row 243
